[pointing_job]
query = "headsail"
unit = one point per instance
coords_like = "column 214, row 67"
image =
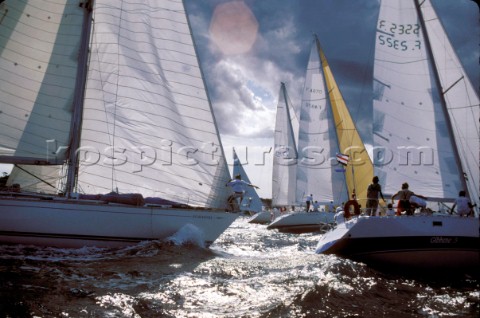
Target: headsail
column 359, row 172
column 413, row 139
column 148, row 125
column 460, row 97
column 285, row 153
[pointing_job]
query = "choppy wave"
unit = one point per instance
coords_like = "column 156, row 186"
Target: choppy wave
column 249, row 272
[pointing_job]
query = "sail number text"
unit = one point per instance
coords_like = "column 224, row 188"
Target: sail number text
column 399, row 29
column 388, row 30
column 397, row 44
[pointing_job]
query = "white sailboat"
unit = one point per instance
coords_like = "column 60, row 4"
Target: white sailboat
column 112, row 93
column 325, row 129
column 285, row 152
column 251, row 202
column 425, row 108
column 284, row 160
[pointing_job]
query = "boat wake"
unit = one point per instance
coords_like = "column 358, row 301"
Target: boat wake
column 188, row 234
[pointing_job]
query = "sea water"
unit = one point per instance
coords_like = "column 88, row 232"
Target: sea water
column 248, row 272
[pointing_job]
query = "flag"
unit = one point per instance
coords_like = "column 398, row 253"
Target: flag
column 342, row 159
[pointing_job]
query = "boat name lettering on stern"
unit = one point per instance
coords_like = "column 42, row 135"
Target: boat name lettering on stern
column 443, row 240
column 202, row 217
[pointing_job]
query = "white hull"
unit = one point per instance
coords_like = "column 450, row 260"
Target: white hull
column 302, row 222
column 78, row 223
column 264, row 217
column 415, row 242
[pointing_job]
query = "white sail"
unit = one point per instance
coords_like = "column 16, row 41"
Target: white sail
column 285, row 154
column 413, row 142
column 317, row 141
column 420, row 109
column 460, row 96
column 38, row 179
column 251, row 201
column 148, row 125
column 39, row 45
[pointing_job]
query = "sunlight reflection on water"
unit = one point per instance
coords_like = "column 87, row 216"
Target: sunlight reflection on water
column 249, row 272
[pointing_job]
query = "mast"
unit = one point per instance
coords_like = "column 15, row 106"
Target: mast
column 441, row 93
column 82, row 71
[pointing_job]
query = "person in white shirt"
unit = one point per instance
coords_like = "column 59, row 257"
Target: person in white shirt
column 316, row 205
column 309, row 201
column 463, row 204
column 238, row 186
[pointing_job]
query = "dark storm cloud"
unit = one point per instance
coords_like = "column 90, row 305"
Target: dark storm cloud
column 346, row 30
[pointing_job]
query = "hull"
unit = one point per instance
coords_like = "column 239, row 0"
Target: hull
column 415, row 242
column 78, row 223
column 302, row 222
column 263, row 217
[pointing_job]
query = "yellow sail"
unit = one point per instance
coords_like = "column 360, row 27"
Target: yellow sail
column 359, row 171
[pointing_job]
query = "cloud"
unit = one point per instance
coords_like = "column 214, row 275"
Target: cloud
column 244, row 87
column 241, row 100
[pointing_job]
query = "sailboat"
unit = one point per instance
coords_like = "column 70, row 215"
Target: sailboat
column 251, row 202
column 285, row 152
column 284, row 160
column 425, row 108
column 325, row 128
column 109, row 96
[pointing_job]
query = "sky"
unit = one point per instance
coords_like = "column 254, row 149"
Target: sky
column 247, row 48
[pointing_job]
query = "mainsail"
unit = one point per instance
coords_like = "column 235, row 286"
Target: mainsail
column 425, row 109
column 285, row 153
